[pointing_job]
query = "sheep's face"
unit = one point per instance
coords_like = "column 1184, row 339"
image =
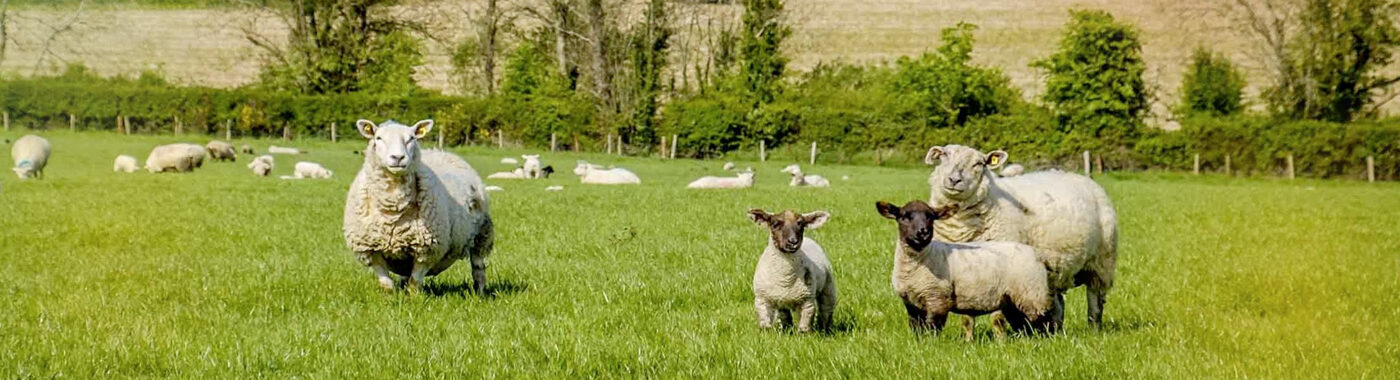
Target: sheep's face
column 786, row 227
column 581, row 169
column 748, row 174
column 792, row 169
column 915, row 222
column 24, row 170
column 393, row 146
column 960, row 170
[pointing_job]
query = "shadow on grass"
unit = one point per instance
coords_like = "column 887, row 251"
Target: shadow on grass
column 464, row 288
column 1118, row 325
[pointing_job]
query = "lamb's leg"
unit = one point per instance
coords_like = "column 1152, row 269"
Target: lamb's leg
column 826, row 307
column 916, row 317
column 416, row 277
column 999, row 326
column 765, row 313
column 1053, row 318
column 968, row 323
column 809, row 311
column 381, row 272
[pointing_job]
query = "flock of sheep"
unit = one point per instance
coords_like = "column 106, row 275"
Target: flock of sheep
column 1008, row 245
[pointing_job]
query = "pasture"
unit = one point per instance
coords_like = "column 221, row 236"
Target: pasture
column 219, row 274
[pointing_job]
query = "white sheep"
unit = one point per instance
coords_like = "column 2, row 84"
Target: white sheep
column 793, row 273
column 125, row 163
column 283, row 150
column 1067, row 218
column 728, row 166
column 222, row 151
column 178, row 157
column 308, row 170
column 532, row 166
column 247, row 149
column 798, row 179
column 262, row 165
column 1013, row 170
column 31, row 155
column 415, row 213
column 554, row 188
column 510, row 161
column 517, row 173
column 494, row 188
column 594, row 174
column 935, row 278
column 745, row 179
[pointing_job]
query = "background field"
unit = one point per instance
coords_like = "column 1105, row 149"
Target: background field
column 222, row 274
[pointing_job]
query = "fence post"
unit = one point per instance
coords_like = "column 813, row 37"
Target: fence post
column 439, row 146
column 813, row 160
column 1086, row 163
column 619, row 144
column 500, row 139
column 1370, row 169
column 179, row 129
column 126, row 123
column 576, row 148
column 333, row 136
column 1227, row 164
column 119, row 124
column 607, row 145
column 7, row 121
column 674, row 137
column 553, row 141
column 1196, row 166
column 228, row 130
column 1098, row 160
column 72, row 124
column 663, row 147
column 1290, row 166
column 286, row 131
column 762, row 151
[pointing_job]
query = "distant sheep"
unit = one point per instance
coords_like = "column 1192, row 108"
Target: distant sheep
column 262, row 165
column 247, row 149
column 308, row 170
column 220, row 150
column 728, row 166
column 532, row 166
column 745, row 179
column 798, row 179
column 283, row 150
column 793, row 273
column 593, row 174
column 517, row 173
column 494, row 188
column 179, row 157
column 510, row 161
column 31, row 155
column 125, row 163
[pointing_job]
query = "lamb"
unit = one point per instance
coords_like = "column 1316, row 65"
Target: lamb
column 793, row 273
column 594, row 174
column 517, row 173
column 312, row 170
column 804, row 180
column 124, row 163
column 1066, row 217
column 221, row 151
column 283, row 150
column 247, row 149
column 728, row 166
column 1013, row 170
column 415, row 213
column 262, row 165
column 31, row 154
column 745, row 179
column 509, row 161
column 179, row 157
column 532, row 166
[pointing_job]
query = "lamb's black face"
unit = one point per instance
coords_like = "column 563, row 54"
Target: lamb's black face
column 787, row 227
column 915, row 222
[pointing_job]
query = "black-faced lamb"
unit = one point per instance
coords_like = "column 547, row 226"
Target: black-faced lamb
column 793, row 273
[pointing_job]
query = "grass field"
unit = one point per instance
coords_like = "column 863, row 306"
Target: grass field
column 220, row 274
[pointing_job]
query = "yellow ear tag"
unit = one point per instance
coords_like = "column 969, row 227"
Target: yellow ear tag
column 995, row 161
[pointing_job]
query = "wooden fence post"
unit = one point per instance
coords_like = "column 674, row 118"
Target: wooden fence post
column 576, row 148
column 1370, row 169
column 500, row 139
column 7, row 121
column 663, row 147
column 1196, row 166
column 179, row 129
column 762, row 151
column 333, row 135
column 228, row 130
column 1086, row 164
column 439, row 146
column 1290, row 166
column 72, row 123
column 1098, row 160
column 674, row 137
column 607, row 144
column 553, row 141
column 1227, row 164
column 126, row 123
column 119, row 124
column 813, row 160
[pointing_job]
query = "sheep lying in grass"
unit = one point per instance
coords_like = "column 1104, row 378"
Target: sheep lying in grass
column 798, row 179
column 532, row 166
column 125, row 163
column 1013, row 170
column 935, row 278
column 262, row 165
column 596, row 175
column 415, row 213
column 247, row 149
column 1067, row 218
column 220, row 150
column 31, row 155
column 283, row 150
column 517, row 173
column 728, row 166
column 510, row 161
column 494, row 188
column 743, row 180
column 178, row 157
column 793, row 274
column 309, row 170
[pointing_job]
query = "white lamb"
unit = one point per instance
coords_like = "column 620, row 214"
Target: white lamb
column 178, row 157
column 793, row 273
column 798, row 179
column 594, row 174
column 745, row 179
column 517, row 173
column 415, row 213
column 532, row 166
column 125, row 163
column 1067, row 218
column 262, row 165
column 220, row 150
column 283, row 150
column 935, row 278
column 31, row 154
column 309, row 170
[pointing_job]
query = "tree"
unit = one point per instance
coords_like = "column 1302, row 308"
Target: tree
column 947, row 87
column 1094, row 81
column 1212, row 85
column 337, row 46
column 649, row 47
column 597, row 33
column 763, row 62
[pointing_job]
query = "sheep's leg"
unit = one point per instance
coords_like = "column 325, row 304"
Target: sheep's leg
column 808, row 312
column 999, row 326
column 969, row 322
column 916, row 317
column 1053, row 318
column 478, row 273
column 1096, row 295
column 826, row 307
column 765, row 313
column 416, row 278
column 381, row 272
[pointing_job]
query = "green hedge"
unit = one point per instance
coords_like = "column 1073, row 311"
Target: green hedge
column 1260, row 146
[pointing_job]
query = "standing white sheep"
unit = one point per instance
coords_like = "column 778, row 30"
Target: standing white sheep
column 798, row 179
column 31, row 154
column 743, row 180
column 793, row 273
column 262, row 165
column 222, row 151
column 532, row 166
column 1067, row 218
column 415, row 213
column 124, row 163
column 179, row 157
column 594, row 174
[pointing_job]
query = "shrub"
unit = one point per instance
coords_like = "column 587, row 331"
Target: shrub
column 1094, row 82
column 1212, row 85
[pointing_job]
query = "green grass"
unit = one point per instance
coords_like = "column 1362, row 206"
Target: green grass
column 220, row 274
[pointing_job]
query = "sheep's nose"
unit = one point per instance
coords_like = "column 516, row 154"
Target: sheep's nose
column 792, row 241
column 396, row 158
column 954, row 180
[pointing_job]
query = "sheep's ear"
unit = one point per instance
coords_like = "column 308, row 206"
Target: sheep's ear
column 934, row 154
column 759, row 216
column 996, row 159
column 422, row 127
column 366, row 127
column 815, row 219
column 887, row 210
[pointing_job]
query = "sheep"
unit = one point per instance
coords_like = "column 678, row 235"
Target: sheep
column 798, row 179
column 547, row 171
column 221, row 151
column 178, row 157
column 284, row 150
column 729, row 166
column 554, row 188
column 594, row 174
column 1013, row 170
column 793, row 273
column 415, row 213
column 262, row 165
column 532, row 166
column 745, row 179
column 31, row 154
column 510, row 161
column 309, row 170
column 517, row 173
column 247, row 149
column 1067, row 218
column 935, row 278
column 494, row 188
column 124, row 163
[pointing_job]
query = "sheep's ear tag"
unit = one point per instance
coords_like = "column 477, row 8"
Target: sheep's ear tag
column 996, row 159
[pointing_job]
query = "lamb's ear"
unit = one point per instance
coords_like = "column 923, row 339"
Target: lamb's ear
column 887, row 210
column 759, row 216
column 815, row 219
column 422, row 127
column 934, row 154
column 366, row 127
column 996, row 159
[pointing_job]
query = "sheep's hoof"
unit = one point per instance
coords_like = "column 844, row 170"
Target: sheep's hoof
column 386, row 284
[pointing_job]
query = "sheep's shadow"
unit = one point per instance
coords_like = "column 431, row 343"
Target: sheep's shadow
column 1118, row 325
column 463, row 288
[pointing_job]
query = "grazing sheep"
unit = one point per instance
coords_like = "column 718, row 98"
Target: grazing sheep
column 494, row 188
column 125, row 163
column 510, row 161
column 262, row 165
column 221, row 151
column 178, row 157
column 804, row 180
column 309, row 170
column 793, row 273
column 743, row 180
column 594, row 174
column 247, row 149
column 283, row 150
column 517, row 173
column 935, row 278
column 1013, row 170
column 728, row 166
column 31, row 154
column 415, row 213
column 1067, row 218
column 532, row 166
